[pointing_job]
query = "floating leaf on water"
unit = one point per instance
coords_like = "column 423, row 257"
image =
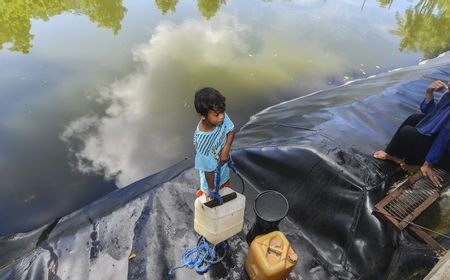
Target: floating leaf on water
column 132, row 256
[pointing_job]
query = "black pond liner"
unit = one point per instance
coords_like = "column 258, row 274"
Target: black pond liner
column 270, row 208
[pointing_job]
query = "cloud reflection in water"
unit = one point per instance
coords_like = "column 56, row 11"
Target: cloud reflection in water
column 149, row 120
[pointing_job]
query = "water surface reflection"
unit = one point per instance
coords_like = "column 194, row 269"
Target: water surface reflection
column 16, row 17
column 425, row 27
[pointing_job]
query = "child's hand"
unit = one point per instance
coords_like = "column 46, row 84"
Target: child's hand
column 224, row 155
column 211, row 195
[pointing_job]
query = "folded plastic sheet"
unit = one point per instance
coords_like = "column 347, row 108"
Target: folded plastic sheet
column 316, row 150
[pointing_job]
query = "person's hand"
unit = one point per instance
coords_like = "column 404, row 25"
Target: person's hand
column 436, row 85
column 224, row 155
column 429, row 172
column 208, row 197
column 212, row 194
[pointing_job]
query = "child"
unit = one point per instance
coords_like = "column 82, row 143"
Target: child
column 212, row 140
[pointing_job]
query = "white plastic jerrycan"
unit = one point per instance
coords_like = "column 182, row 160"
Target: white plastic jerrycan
column 219, row 223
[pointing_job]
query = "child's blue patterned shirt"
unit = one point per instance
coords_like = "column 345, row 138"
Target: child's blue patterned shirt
column 208, row 145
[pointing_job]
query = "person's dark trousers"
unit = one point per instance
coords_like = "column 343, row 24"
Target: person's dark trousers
column 408, row 144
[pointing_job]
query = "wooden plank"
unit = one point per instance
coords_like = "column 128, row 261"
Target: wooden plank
column 428, row 239
column 392, row 220
column 393, row 195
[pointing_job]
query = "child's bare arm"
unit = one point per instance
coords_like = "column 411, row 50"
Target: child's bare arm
column 225, row 153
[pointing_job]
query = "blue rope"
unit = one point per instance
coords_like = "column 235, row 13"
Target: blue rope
column 216, row 194
column 201, row 257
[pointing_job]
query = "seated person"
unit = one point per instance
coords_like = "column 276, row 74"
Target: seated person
column 423, row 139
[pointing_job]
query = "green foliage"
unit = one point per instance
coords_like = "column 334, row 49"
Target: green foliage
column 16, row 16
column 208, row 8
column 166, row 5
column 106, row 13
column 384, row 3
column 425, row 28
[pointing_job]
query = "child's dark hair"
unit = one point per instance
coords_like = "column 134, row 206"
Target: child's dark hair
column 209, row 99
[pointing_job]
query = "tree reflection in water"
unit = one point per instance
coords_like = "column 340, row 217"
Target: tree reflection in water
column 424, row 27
column 166, row 5
column 209, row 8
column 16, row 16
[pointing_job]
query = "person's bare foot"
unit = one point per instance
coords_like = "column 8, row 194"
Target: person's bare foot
column 380, row 155
column 385, row 156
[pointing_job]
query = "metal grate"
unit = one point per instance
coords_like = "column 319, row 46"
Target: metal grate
column 409, row 200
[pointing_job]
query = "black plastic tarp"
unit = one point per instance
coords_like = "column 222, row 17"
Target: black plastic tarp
column 316, row 150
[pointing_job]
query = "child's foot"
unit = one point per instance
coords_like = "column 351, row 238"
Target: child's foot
column 199, row 193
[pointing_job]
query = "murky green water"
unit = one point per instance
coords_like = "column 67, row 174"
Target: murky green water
column 98, row 93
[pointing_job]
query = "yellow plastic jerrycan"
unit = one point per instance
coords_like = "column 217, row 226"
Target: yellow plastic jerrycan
column 270, row 257
column 221, row 222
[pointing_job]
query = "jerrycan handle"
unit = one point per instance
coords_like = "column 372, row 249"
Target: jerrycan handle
column 215, row 202
column 274, row 251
